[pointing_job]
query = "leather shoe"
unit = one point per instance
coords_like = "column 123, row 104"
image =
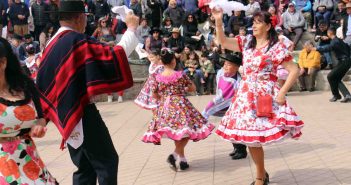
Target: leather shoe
column 334, row 99
column 239, row 155
column 346, row 99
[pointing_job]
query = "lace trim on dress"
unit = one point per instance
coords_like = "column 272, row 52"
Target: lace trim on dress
column 169, row 79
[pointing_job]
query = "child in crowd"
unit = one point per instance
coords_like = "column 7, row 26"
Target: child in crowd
column 145, row 99
column 283, row 73
column 194, row 73
column 228, row 79
column 207, row 68
column 176, row 117
column 32, row 61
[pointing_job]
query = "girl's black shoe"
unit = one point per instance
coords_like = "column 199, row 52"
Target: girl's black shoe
column 172, row 161
column 183, row 165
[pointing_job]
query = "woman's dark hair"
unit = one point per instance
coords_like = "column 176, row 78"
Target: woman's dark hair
column 155, row 51
column 194, row 22
column 167, row 56
column 272, row 34
column 47, row 28
column 14, row 74
column 195, row 54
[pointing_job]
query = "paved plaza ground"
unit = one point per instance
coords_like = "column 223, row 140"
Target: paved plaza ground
column 321, row 157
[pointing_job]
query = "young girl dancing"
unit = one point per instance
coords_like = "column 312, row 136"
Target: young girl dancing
column 176, row 118
column 145, row 99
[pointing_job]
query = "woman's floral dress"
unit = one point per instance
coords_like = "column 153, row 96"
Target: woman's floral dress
column 176, row 117
column 145, row 99
column 240, row 123
column 19, row 160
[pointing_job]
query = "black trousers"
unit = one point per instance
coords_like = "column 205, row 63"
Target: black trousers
column 335, row 78
column 96, row 158
column 239, row 147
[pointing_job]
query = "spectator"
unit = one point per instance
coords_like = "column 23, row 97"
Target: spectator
column 194, row 72
column 322, row 11
column 113, row 3
column 136, row 7
column 53, row 15
column 281, row 4
column 16, row 42
column 293, row 22
column 185, row 55
column 339, row 14
column 142, row 31
column 276, row 19
column 99, row 8
column 190, row 6
column 175, row 13
column 305, row 6
column 346, row 29
column 104, row 31
column 167, row 29
column 264, row 5
column 2, row 12
column 309, row 64
column 154, row 41
column 118, row 27
column 46, row 35
column 32, row 61
column 204, row 10
column 27, row 41
column 323, row 39
column 209, row 72
column 252, row 7
column 176, row 42
column 19, row 13
column 40, row 17
column 191, row 33
column 235, row 22
column 156, row 12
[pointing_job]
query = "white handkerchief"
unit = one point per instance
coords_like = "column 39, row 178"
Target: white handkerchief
column 77, row 137
column 227, row 6
column 122, row 11
column 141, row 52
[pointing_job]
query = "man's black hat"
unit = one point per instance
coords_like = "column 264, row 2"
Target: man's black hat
column 235, row 58
column 70, row 6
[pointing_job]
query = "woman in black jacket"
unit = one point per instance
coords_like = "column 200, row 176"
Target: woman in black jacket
column 191, row 33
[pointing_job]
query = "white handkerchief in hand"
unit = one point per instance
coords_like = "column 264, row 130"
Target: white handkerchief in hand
column 141, row 52
column 122, row 11
column 227, row 6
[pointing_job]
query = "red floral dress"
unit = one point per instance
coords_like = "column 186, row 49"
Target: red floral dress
column 19, row 160
column 176, row 117
column 240, row 123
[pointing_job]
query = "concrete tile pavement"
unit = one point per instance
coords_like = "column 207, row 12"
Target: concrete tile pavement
column 320, row 157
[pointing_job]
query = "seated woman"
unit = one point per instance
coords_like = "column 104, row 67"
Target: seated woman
column 21, row 119
column 309, row 64
column 104, row 31
column 46, row 35
column 155, row 41
column 191, row 33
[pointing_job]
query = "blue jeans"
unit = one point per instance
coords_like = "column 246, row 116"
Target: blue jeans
column 322, row 16
column 328, row 58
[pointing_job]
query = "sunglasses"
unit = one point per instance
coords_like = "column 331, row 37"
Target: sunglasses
column 190, row 17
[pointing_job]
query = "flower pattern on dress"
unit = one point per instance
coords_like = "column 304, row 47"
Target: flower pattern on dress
column 176, row 117
column 240, row 123
column 20, row 162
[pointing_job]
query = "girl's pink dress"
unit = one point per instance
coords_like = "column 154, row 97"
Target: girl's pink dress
column 176, row 117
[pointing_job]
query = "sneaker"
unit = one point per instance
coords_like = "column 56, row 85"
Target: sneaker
column 346, row 99
column 172, row 162
column 183, row 165
column 120, row 99
column 334, row 99
column 109, row 99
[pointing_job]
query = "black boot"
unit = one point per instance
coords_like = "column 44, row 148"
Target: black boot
column 240, row 152
column 334, row 99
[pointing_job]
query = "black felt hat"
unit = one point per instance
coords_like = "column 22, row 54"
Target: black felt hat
column 235, row 58
column 70, row 6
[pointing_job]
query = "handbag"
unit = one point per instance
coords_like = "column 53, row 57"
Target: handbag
column 264, row 106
